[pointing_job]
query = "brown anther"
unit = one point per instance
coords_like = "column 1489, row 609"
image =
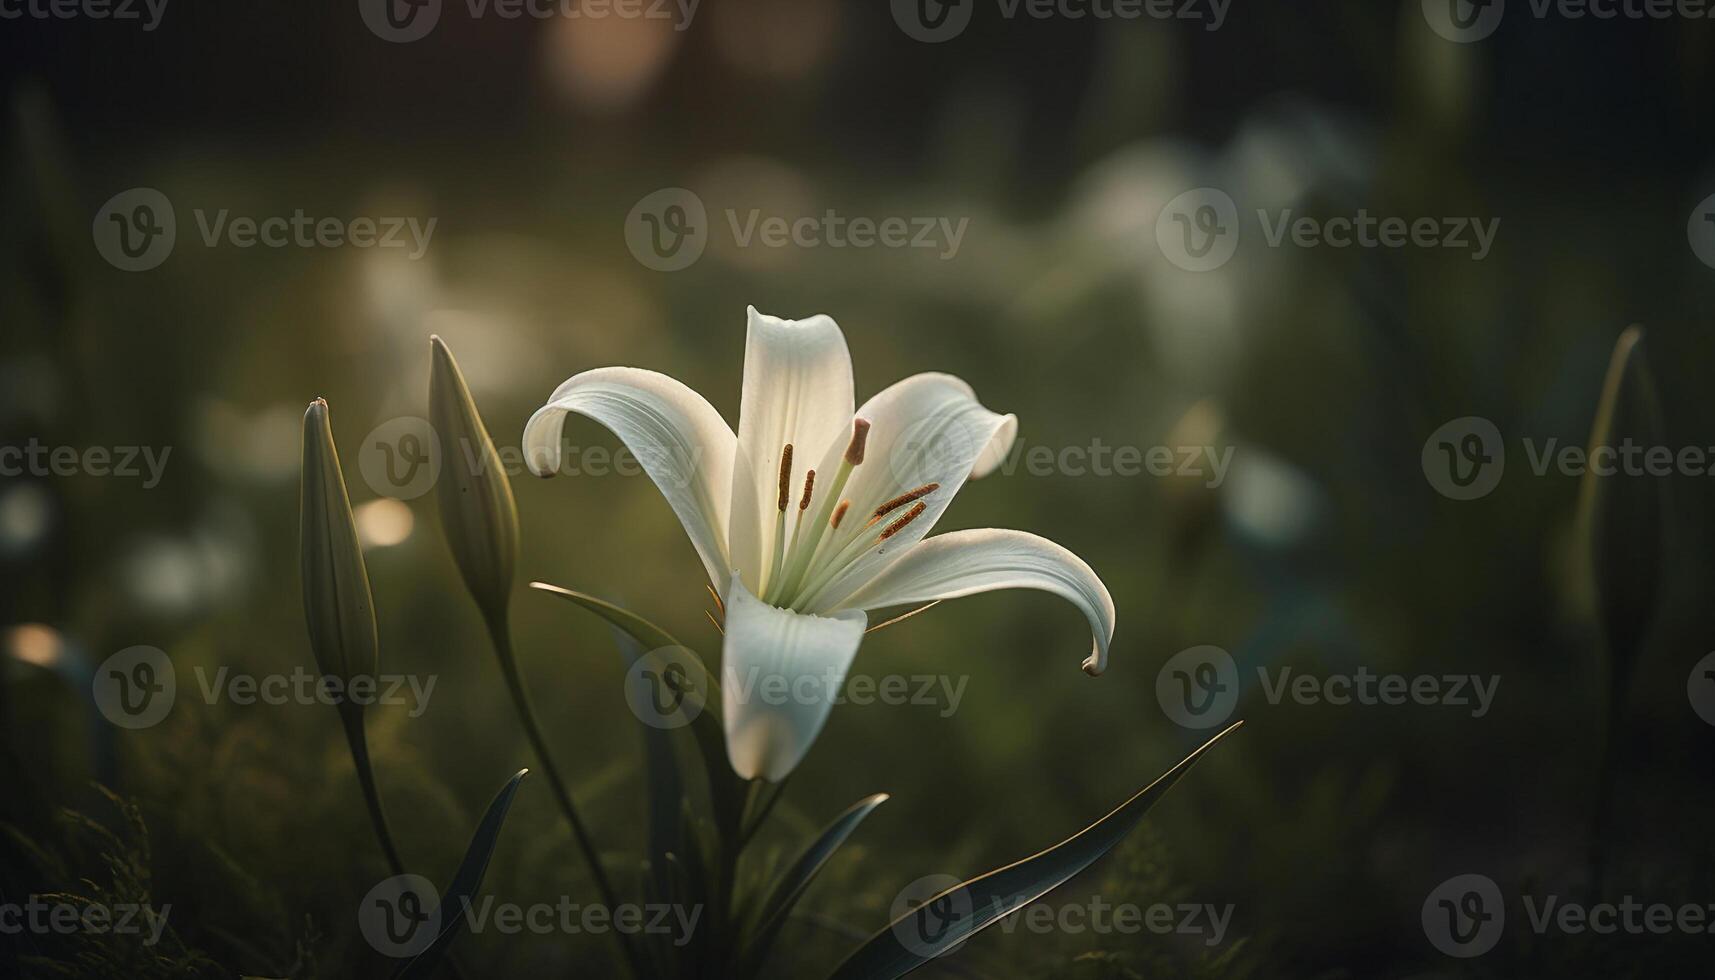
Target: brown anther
column 905, row 498
column 809, row 485
column 839, row 512
column 899, row 525
column 785, row 476
column 860, row 436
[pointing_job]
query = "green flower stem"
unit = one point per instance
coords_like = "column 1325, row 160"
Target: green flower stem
column 501, row 635
column 353, row 721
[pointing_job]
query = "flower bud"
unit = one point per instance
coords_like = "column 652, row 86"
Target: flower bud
column 338, row 607
column 478, row 515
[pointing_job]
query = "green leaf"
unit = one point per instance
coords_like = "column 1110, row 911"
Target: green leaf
column 642, row 630
column 1621, row 515
column 466, row 881
column 705, row 727
column 955, row 915
column 771, row 912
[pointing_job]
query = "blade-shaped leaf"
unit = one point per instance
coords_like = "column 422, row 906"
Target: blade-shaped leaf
column 642, row 630
column 705, row 727
column 1622, row 513
column 771, row 912
column 466, row 881
column 953, row 916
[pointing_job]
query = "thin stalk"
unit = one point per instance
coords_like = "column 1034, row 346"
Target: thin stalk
column 1606, row 774
column 501, row 636
column 354, row 734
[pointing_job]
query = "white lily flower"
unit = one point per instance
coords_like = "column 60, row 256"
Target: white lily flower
column 813, row 515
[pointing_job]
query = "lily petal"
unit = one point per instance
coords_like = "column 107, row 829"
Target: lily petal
column 677, row 436
column 928, row 428
column 780, row 671
column 798, row 392
column 961, row 563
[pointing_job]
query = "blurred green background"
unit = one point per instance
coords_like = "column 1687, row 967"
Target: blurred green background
column 1060, row 141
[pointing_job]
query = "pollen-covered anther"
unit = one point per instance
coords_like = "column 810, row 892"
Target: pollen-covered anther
column 903, row 499
column 785, row 477
column 860, row 437
column 809, row 487
column 899, row 525
column 839, row 514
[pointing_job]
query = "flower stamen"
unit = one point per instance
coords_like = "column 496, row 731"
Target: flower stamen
column 899, row 525
column 839, row 512
column 809, row 486
column 903, row 499
column 785, row 476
